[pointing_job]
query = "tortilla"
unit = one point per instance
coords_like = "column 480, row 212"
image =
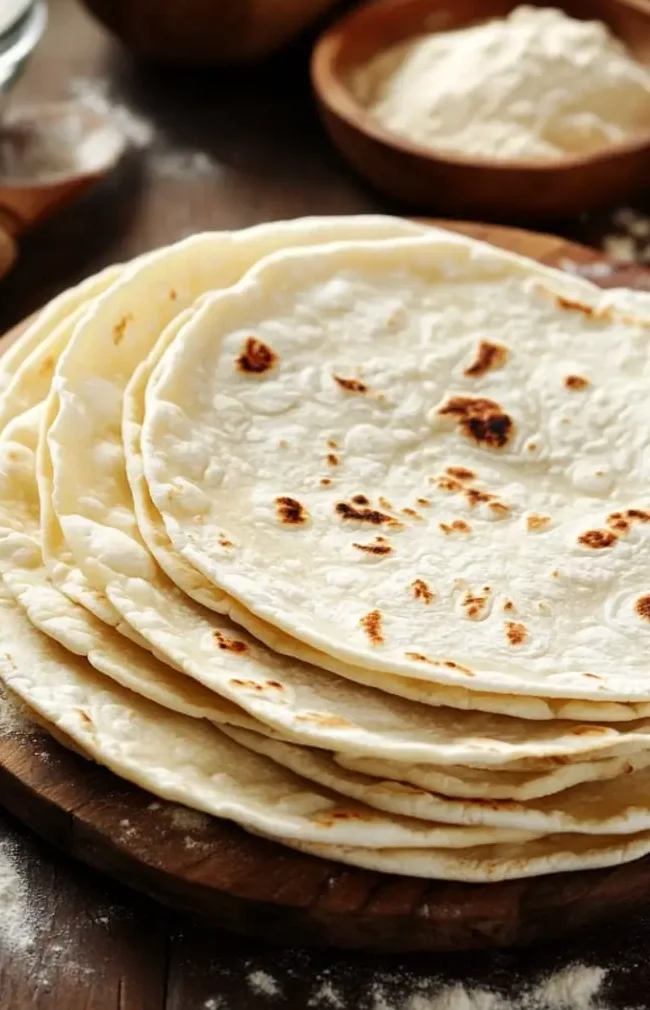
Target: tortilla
column 421, row 457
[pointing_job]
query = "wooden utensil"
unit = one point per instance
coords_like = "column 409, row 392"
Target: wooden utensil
column 462, row 185
column 258, row 888
column 31, row 187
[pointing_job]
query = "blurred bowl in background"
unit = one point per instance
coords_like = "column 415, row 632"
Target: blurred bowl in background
column 458, row 185
column 22, row 22
column 206, row 32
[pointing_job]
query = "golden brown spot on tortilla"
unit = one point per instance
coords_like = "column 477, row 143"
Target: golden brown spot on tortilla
column 480, row 419
column 47, row 365
column 411, row 513
column 257, row 357
column 250, row 685
column 456, row 526
column 332, row 443
column 589, row 730
column 628, row 768
column 352, row 385
column 372, row 625
column 622, row 521
column 85, row 717
column 120, row 328
column 336, row 816
column 419, row 657
column 283, row 444
column 172, row 295
column 531, row 446
column 422, row 592
column 291, row 512
column 360, row 499
column 474, row 605
column 326, row 481
column 229, row 644
column 332, row 459
column 642, row 607
column 385, row 504
column 597, row 539
column 378, row 547
column 423, row 501
column 223, row 542
column 592, row 676
column 516, row 632
column 447, row 484
column 574, row 306
column 508, row 607
column 536, row 522
column 460, row 472
column 321, row 719
column 365, row 515
column 499, row 508
column 488, row 356
column 576, row 382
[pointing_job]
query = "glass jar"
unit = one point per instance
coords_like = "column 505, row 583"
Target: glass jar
column 22, row 23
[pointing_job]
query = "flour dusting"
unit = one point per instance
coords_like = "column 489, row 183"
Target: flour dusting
column 185, row 819
column 263, row 983
column 17, row 918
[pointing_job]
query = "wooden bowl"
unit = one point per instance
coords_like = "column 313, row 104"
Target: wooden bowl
column 459, row 185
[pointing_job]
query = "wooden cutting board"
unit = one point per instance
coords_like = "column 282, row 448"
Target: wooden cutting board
column 261, row 889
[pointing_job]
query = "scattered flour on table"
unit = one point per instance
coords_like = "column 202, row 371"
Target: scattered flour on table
column 327, row 996
column 13, row 718
column 185, row 819
column 18, row 918
column 630, row 240
column 263, row 983
column 166, row 159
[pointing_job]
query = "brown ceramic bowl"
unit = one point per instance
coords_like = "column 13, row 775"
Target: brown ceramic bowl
column 458, row 185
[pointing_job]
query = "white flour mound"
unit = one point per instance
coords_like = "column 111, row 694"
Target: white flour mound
column 537, row 84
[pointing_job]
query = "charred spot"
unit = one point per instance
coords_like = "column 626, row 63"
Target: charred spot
column 250, row 685
column 508, row 607
column 372, row 624
column 229, row 644
column 642, row 607
column 535, row 522
column 480, row 419
column 332, row 459
column 360, row 499
column 411, row 513
column 379, row 547
column 85, row 718
column 488, row 356
column 257, row 357
column 592, row 676
column 364, row 515
column 456, row 526
column 597, row 539
column 423, row 501
column 576, row 382
column 291, row 512
column 422, row 592
column 628, row 768
column 351, row 385
column 419, row 657
column 460, row 473
column 476, row 497
column 120, row 329
column 223, row 542
column 326, row 481
column 516, row 633
column 332, row 443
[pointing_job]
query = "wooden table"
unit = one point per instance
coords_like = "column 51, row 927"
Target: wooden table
column 216, row 151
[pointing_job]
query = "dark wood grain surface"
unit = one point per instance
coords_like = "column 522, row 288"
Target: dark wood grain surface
column 222, row 151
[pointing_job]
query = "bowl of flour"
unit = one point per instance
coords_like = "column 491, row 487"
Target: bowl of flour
column 491, row 108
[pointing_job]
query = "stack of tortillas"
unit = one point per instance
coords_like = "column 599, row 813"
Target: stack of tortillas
column 340, row 529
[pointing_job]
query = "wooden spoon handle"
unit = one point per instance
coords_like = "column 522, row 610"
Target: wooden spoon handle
column 7, row 251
